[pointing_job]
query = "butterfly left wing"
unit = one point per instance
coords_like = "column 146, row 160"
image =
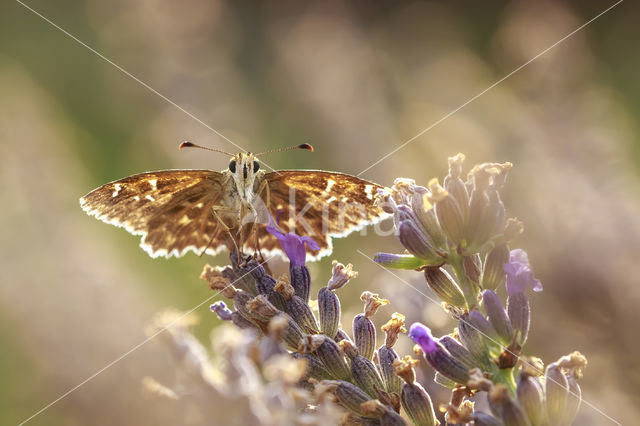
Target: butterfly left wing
column 170, row 209
column 320, row 205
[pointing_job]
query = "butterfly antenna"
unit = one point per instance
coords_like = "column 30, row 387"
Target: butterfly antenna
column 187, row 144
column 303, row 146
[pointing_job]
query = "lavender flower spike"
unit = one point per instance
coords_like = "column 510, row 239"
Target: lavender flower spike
column 519, row 273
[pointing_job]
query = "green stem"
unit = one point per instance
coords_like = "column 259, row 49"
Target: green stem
column 506, row 377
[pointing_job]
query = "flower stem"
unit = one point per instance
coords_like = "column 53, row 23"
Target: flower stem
column 506, row 377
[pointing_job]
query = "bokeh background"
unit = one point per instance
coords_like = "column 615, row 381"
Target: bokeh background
column 354, row 79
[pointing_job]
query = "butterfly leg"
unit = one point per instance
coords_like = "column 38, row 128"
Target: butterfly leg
column 215, row 210
column 263, row 187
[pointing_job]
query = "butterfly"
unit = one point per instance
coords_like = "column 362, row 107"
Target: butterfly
column 204, row 211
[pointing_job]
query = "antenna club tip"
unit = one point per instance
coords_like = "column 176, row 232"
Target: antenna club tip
column 306, row 146
column 185, row 144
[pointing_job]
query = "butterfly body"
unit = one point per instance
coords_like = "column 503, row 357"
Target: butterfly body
column 176, row 211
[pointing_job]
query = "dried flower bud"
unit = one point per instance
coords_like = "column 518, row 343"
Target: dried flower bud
column 507, row 409
column 350, row 396
column 363, row 370
column 372, row 302
column 328, row 352
column 241, row 322
column 398, row 261
column 497, row 316
column 448, row 212
column 458, row 411
column 402, row 189
column 519, row 315
column 218, row 281
column 315, row 367
column 301, row 312
column 393, row 328
column 472, row 265
column 417, row 403
column 458, row 190
column 385, row 358
column 444, row 286
column 458, row 351
column 240, row 301
column 220, row 308
column 455, row 165
column 414, row 239
column 426, row 215
column 478, row 218
column 328, row 311
column 364, row 334
column 261, row 308
column 245, row 269
column 493, row 275
column 473, row 341
column 563, row 395
column 264, row 283
column 292, row 333
column 404, row 368
column 573, row 400
column 384, row 200
column 439, row 358
column 485, row 328
column 284, row 287
column 530, row 397
column 300, row 280
column 341, row 275
column 373, row 409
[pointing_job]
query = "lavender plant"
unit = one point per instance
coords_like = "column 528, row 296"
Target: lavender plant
column 359, row 376
column 458, row 237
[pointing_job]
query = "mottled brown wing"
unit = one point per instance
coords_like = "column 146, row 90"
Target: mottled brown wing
column 325, row 205
column 171, row 209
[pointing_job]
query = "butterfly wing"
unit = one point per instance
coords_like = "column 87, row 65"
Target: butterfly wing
column 320, row 205
column 170, row 209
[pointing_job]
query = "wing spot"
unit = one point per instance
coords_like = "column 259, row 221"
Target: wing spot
column 116, row 191
column 154, row 183
column 368, row 190
column 330, row 183
column 149, row 197
column 136, row 197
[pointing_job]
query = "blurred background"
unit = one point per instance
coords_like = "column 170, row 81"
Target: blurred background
column 356, row 81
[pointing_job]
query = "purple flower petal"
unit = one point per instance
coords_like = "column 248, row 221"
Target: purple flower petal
column 292, row 244
column 220, row 308
column 421, row 334
column 519, row 273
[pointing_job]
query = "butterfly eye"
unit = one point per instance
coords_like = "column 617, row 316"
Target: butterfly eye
column 256, row 167
column 232, row 166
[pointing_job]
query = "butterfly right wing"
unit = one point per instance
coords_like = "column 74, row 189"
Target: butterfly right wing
column 171, row 209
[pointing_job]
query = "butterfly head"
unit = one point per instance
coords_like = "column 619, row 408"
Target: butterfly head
column 244, row 167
